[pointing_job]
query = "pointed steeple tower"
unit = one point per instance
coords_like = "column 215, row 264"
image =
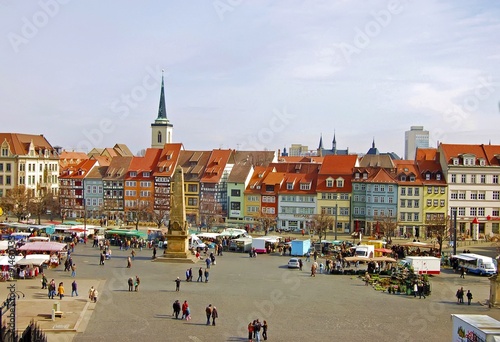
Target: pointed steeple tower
column 161, row 129
column 334, row 143
column 162, row 109
column 373, row 142
column 320, row 141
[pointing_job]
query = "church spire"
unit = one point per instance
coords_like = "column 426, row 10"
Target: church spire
column 320, row 147
column 334, row 143
column 162, row 109
column 373, row 142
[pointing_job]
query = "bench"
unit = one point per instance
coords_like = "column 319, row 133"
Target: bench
column 56, row 314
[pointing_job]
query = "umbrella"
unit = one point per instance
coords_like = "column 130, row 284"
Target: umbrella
column 356, row 258
column 383, row 258
column 383, row 250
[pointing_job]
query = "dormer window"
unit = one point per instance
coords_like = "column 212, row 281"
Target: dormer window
column 146, row 174
column 133, row 174
column 455, row 161
column 356, row 175
column 329, row 183
column 427, row 176
column 340, row 183
column 289, row 186
column 412, row 178
column 305, row 186
column 403, row 178
column 438, row 176
column 482, row 162
column 365, row 175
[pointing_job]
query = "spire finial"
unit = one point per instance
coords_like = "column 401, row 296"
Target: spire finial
column 373, row 142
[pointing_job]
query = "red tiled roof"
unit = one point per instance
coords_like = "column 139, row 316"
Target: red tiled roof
column 215, row 166
column 19, row 143
column 338, row 165
column 455, row 150
column 168, row 160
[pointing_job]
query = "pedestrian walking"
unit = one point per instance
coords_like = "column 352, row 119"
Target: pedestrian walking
column 264, row 330
column 462, row 272
column 130, row 284
column 186, row 311
column 300, row 264
column 200, row 275
column 52, row 289
column 177, row 284
column 215, row 314
column 101, row 258
column 208, row 312
column 187, row 275
column 137, row 283
column 415, row 289
column 208, row 261
column 256, row 328
column 93, row 294
column 74, row 288
column 129, row 262
column 250, row 332
column 421, row 289
column 60, row 290
column 73, row 270
column 133, row 254
column 469, row 297
column 207, row 274
column 177, row 309
column 154, row 252
column 44, row 281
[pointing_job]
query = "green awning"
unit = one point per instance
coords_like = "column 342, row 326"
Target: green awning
column 129, row 233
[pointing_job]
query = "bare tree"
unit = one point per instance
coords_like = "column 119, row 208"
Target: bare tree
column 139, row 212
column 160, row 212
column 321, row 223
column 210, row 211
column 16, row 201
column 438, row 227
column 386, row 225
column 266, row 221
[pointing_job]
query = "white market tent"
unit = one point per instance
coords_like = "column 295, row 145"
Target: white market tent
column 208, row 235
column 43, row 247
column 34, row 259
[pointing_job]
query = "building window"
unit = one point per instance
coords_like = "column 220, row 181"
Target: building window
column 443, row 190
column 472, row 211
column 235, row 192
column 415, row 216
column 329, row 183
column 461, row 211
column 473, row 195
column 390, row 212
column 496, row 195
column 402, row 216
column 382, row 188
column 495, row 228
column 480, row 211
column 438, row 176
column 494, row 212
column 481, row 195
column 289, row 186
column 453, row 178
column 454, row 195
column 390, row 199
column 442, row 203
column 390, row 188
column 463, row 179
column 402, row 203
column 409, row 204
column 416, row 191
column 429, row 203
column 192, row 187
column 375, row 187
column 416, row 203
column 427, row 176
column 436, row 190
column 356, row 186
column 410, row 191
column 435, row 203
column 8, row 167
column 461, row 195
column 483, row 179
column 495, row 179
column 473, row 179
column 305, row 186
column 429, row 190
column 7, row 180
column 159, row 138
column 403, row 191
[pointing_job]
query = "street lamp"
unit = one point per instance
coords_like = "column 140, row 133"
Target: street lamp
column 335, row 227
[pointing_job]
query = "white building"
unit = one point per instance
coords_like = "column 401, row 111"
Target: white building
column 28, row 160
column 472, row 173
column 414, row 138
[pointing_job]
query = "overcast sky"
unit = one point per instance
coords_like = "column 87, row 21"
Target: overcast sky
column 251, row 74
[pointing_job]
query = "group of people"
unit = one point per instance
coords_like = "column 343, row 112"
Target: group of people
column 189, row 276
column 460, row 296
column 211, row 312
column 254, row 329
column 186, row 311
column 134, row 285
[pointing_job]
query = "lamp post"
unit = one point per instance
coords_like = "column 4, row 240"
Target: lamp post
column 454, row 213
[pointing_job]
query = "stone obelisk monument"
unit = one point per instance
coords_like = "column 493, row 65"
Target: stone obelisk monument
column 178, row 234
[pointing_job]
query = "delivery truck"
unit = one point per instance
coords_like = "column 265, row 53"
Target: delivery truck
column 365, row 251
column 475, row 328
column 423, row 264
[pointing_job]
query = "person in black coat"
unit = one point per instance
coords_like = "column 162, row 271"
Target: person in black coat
column 177, row 309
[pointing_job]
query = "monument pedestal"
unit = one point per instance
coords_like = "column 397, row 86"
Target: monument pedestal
column 494, row 291
column 177, row 249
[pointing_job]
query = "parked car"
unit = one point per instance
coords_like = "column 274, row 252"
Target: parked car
column 293, row 263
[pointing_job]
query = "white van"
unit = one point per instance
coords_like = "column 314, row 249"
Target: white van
column 195, row 242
